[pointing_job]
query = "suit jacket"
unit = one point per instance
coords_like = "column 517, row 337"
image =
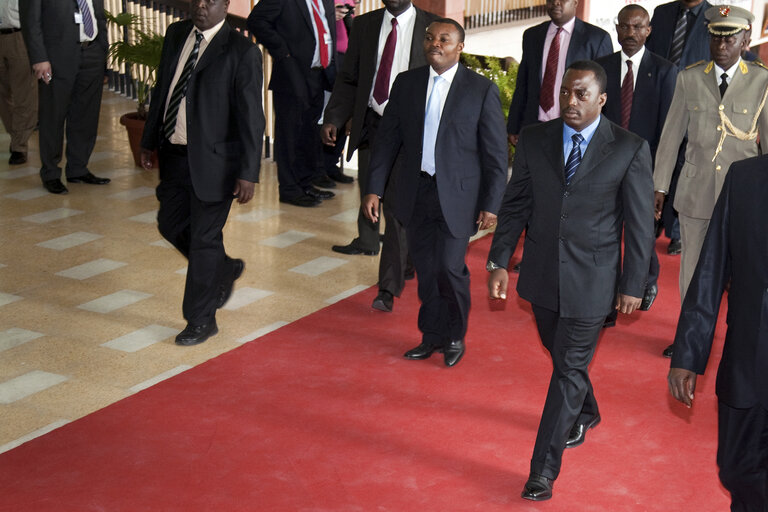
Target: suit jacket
column 695, row 109
column 225, row 119
column 588, row 42
column 285, row 29
column 652, row 96
column 352, row 89
column 571, row 259
column 735, row 250
column 663, row 22
column 51, row 34
column 470, row 152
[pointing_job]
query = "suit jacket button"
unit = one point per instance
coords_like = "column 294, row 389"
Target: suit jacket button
column 718, row 168
column 721, row 107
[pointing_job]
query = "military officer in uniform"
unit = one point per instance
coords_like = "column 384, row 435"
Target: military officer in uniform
column 721, row 104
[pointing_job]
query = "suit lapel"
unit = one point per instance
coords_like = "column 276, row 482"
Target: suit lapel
column 553, row 149
column 599, row 148
column 452, row 101
column 577, row 39
column 304, row 10
column 644, row 85
column 215, row 48
column 711, row 81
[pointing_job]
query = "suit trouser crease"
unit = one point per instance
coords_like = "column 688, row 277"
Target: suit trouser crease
column 443, row 276
column 692, row 232
column 18, row 91
column 71, row 103
column 570, row 398
column 194, row 227
column 742, row 456
column 298, row 149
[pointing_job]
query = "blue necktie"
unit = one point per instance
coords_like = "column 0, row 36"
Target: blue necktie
column 85, row 12
column 574, row 159
column 431, row 124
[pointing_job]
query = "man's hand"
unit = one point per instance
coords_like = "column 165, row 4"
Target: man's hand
column 513, row 139
column 626, row 304
column 371, row 207
column 682, row 384
column 486, row 220
column 497, row 283
column 658, row 204
column 146, row 158
column 42, row 71
column 243, row 191
column 328, row 134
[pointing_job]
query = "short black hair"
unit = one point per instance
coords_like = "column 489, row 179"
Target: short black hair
column 453, row 22
column 594, row 67
column 633, row 7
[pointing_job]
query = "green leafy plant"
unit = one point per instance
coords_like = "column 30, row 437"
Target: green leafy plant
column 140, row 52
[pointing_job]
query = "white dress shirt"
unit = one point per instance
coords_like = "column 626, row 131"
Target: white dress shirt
column 179, row 136
column 9, row 14
column 636, row 59
column 316, row 63
column 83, row 37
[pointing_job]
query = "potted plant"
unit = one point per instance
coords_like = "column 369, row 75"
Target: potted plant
column 139, row 50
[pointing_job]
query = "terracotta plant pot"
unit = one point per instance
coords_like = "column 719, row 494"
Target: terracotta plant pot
column 135, row 127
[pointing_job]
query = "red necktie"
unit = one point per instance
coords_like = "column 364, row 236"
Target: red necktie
column 320, row 34
column 627, row 91
column 547, row 93
column 381, row 88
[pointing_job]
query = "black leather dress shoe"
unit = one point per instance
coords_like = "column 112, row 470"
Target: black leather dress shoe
column 649, row 297
column 579, row 432
column 537, row 488
column 195, row 334
column 351, row 249
column 384, row 301
column 225, row 289
column 303, row 200
column 319, row 194
column 668, row 351
column 453, row 352
column 324, row 182
column 55, row 187
column 423, row 351
column 410, row 273
column 89, row 178
column 675, row 247
column 341, row 177
column 610, row 320
column 17, row 158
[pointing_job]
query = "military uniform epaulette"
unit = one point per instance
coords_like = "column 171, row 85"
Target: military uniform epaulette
column 758, row 64
column 695, row 64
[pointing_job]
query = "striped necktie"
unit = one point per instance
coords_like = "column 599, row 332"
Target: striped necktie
column 181, row 89
column 85, row 12
column 574, row 159
column 678, row 39
column 627, row 92
column 547, row 93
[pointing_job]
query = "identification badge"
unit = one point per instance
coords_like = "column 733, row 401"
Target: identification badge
column 78, row 18
column 327, row 38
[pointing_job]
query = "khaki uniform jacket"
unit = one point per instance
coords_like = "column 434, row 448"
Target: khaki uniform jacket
column 695, row 109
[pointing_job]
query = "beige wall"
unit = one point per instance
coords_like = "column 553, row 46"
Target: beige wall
column 240, row 7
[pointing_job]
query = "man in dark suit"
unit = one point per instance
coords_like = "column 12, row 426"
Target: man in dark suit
column 207, row 122
column 735, row 251
column 446, row 125
column 640, row 88
column 548, row 49
column 575, row 209
column 355, row 96
column 67, row 45
column 302, row 43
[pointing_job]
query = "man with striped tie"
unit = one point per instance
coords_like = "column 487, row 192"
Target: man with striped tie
column 207, row 123
column 576, row 182
column 67, row 45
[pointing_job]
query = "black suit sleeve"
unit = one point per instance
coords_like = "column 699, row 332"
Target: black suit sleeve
column 261, row 23
column 250, row 113
column 698, row 317
column 388, row 141
column 605, row 48
column 520, row 96
column 493, row 150
column 516, row 207
column 341, row 105
column 30, row 16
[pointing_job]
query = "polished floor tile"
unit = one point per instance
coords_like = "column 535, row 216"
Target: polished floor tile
column 14, row 337
column 69, row 241
column 52, row 215
column 142, row 338
column 114, row 301
column 90, row 269
column 28, row 384
column 319, row 266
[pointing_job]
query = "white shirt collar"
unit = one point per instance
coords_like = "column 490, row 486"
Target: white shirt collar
column 211, row 32
column 636, row 59
column 448, row 74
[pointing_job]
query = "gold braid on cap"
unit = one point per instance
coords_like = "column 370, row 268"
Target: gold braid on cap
column 719, row 31
column 727, row 127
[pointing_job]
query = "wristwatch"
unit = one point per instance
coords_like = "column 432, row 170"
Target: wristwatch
column 491, row 266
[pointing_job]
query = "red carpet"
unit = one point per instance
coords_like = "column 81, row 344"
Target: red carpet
column 325, row 415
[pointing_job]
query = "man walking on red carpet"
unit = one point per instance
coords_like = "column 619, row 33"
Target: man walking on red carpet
column 576, row 182
column 735, row 251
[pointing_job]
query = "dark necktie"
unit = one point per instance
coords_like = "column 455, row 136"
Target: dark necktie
column 547, row 93
column 322, row 43
column 678, row 39
column 627, row 91
column 381, row 88
column 574, row 159
column 723, row 84
column 85, row 12
column 181, row 89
